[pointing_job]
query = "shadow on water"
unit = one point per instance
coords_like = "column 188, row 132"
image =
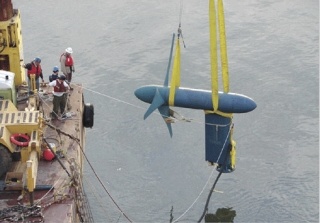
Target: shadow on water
column 221, row 215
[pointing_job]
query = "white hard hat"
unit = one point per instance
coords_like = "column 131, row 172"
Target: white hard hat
column 69, row 50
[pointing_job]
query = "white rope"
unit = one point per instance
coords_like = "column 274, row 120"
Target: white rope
column 133, row 105
column 206, row 182
column 210, row 176
column 225, row 141
column 44, row 196
column 66, row 115
column 196, row 198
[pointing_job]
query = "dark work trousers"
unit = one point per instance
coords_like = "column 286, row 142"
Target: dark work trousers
column 69, row 75
column 59, row 102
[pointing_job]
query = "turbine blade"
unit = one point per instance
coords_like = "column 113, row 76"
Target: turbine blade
column 166, row 81
column 170, row 129
column 156, row 103
column 165, row 112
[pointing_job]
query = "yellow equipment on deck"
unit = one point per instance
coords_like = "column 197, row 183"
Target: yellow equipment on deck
column 17, row 125
column 11, row 47
column 26, row 123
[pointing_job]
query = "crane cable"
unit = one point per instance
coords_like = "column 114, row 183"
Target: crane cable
column 179, row 29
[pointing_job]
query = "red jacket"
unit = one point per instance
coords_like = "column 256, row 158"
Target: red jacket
column 32, row 69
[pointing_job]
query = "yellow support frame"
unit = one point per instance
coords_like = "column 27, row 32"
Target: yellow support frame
column 12, row 53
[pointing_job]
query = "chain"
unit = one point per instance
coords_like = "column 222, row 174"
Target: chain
column 22, row 213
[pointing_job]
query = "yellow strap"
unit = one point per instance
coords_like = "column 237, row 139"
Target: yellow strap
column 233, row 152
column 223, row 48
column 175, row 76
column 223, row 114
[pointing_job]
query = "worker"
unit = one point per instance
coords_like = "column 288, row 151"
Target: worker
column 67, row 64
column 60, row 88
column 34, row 67
column 55, row 74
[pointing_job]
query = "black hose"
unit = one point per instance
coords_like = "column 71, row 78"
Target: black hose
column 209, row 196
column 213, row 186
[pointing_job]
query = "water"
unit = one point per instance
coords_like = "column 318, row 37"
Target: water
column 273, row 52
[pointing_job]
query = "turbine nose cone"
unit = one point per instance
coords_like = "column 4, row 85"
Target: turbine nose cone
column 243, row 104
column 139, row 93
column 251, row 105
column 145, row 93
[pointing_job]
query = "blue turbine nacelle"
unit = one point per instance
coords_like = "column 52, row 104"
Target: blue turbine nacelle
column 196, row 99
column 217, row 128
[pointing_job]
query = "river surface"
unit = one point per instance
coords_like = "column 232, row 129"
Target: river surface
column 120, row 45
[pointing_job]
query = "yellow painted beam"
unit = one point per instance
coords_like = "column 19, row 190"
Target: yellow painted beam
column 32, row 169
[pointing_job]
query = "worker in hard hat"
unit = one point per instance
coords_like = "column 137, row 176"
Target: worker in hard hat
column 55, row 74
column 67, row 64
column 34, row 67
column 60, row 87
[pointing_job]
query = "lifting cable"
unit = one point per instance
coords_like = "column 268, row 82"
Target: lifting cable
column 179, row 29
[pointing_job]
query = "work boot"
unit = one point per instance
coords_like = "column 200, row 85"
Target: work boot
column 53, row 115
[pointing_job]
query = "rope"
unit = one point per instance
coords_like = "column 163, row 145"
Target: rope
column 216, row 181
column 212, row 189
column 133, row 105
column 77, row 140
column 179, row 29
column 209, row 196
column 45, row 195
column 180, row 14
column 225, row 141
column 44, row 100
column 96, row 175
column 142, row 108
column 104, row 187
column 113, row 98
column 194, row 202
column 95, row 194
column 196, row 198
